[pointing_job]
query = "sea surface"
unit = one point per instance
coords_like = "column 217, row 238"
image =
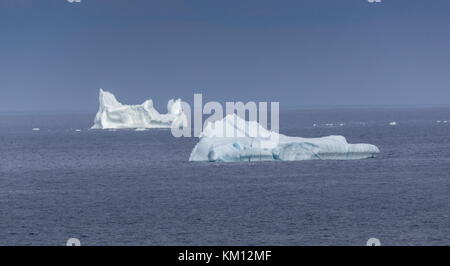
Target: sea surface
column 137, row 188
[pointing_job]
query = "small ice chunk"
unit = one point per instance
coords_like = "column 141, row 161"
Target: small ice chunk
column 36, row 129
column 393, row 123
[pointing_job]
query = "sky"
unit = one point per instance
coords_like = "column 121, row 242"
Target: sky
column 56, row 55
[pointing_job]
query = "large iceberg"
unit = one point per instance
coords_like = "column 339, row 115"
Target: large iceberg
column 234, row 139
column 114, row 115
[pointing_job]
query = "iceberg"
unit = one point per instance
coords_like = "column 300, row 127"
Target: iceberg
column 114, row 115
column 234, row 139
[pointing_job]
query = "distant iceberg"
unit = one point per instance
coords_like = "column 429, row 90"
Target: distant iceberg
column 114, row 115
column 215, row 145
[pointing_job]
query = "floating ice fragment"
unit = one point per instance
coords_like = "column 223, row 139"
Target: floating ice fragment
column 214, row 146
column 114, row 115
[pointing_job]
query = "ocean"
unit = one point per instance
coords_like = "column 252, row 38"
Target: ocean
column 138, row 188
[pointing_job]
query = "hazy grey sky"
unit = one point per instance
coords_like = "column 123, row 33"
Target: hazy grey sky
column 55, row 55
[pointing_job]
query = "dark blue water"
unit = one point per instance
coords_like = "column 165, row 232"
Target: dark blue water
column 137, row 188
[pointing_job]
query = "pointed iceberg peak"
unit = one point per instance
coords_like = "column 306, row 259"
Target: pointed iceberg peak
column 233, row 125
column 113, row 115
column 108, row 99
column 174, row 107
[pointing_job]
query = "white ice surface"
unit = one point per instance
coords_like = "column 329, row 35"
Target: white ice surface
column 234, row 139
column 114, row 115
column 393, row 123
